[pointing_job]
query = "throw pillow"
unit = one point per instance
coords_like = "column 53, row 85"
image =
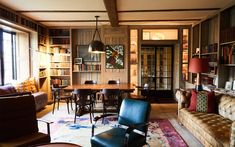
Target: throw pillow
column 202, row 101
column 28, row 85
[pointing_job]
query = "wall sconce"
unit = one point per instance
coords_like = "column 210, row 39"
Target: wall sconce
column 96, row 46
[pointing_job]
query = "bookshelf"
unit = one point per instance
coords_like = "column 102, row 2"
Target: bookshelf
column 43, row 59
column 227, row 45
column 60, row 56
column 205, row 45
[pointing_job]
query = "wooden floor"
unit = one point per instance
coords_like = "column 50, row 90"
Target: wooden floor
column 167, row 110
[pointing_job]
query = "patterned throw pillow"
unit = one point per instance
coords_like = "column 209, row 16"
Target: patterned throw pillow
column 28, row 85
column 203, row 101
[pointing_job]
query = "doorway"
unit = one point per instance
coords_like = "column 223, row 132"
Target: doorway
column 157, row 70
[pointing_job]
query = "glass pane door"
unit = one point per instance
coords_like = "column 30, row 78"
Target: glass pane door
column 156, row 67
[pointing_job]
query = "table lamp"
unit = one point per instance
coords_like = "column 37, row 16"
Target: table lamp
column 198, row 66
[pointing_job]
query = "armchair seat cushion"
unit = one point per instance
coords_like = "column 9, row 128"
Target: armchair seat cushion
column 114, row 138
column 27, row 140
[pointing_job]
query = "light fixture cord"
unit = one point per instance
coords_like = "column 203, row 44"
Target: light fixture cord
column 96, row 29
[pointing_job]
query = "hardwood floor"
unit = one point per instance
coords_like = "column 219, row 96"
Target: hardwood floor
column 167, row 110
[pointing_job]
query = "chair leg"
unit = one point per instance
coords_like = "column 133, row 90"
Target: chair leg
column 58, row 104
column 53, row 106
column 71, row 103
column 67, row 101
column 75, row 114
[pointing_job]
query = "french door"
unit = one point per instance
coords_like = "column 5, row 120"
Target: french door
column 157, row 68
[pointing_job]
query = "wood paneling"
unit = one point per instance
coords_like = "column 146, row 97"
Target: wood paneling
column 113, row 36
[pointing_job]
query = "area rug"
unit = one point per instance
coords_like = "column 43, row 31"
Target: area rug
column 161, row 133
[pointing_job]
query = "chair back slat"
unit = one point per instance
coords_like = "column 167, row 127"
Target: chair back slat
column 134, row 112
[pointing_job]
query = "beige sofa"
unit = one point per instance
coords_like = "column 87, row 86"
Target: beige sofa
column 211, row 129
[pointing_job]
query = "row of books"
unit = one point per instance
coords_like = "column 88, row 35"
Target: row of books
column 59, row 41
column 60, row 58
column 60, row 65
column 59, row 32
column 87, row 67
column 227, row 35
column 60, row 72
column 58, row 81
column 228, row 54
column 209, row 48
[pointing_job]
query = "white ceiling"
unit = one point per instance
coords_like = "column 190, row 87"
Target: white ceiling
column 156, row 12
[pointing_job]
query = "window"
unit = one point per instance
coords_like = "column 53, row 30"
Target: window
column 8, row 58
column 160, row 34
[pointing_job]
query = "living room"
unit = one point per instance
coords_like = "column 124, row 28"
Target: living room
column 146, row 44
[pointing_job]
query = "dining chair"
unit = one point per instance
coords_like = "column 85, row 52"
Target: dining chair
column 111, row 98
column 58, row 95
column 83, row 103
column 131, row 129
column 113, row 82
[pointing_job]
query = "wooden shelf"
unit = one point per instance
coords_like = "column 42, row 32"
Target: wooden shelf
column 43, row 77
column 228, row 64
column 227, row 43
column 60, row 67
column 97, row 71
column 60, row 75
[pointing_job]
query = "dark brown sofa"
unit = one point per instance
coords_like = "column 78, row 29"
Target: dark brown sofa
column 18, row 123
column 40, row 98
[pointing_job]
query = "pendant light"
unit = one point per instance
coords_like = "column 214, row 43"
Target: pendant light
column 96, row 46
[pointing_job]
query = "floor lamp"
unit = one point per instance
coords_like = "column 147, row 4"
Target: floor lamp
column 198, row 66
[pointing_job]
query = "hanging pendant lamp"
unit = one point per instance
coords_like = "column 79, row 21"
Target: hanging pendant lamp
column 96, row 46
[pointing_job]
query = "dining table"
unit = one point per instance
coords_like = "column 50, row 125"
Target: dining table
column 123, row 87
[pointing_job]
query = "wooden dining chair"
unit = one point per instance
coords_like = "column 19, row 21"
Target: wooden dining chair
column 59, row 94
column 83, row 102
column 113, row 82
column 111, row 98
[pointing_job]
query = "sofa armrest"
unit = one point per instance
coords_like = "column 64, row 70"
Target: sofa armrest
column 16, row 94
column 183, row 98
column 232, row 137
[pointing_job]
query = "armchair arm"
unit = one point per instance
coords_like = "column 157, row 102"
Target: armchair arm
column 132, row 128
column 48, row 125
column 98, row 118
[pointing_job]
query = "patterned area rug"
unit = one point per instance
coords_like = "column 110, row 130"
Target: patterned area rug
column 161, row 133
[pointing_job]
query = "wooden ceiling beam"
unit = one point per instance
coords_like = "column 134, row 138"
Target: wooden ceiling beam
column 111, row 7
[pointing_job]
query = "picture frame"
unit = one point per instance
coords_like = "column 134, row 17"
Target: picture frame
column 228, row 85
column 114, row 56
column 82, row 52
column 234, row 85
column 77, row 60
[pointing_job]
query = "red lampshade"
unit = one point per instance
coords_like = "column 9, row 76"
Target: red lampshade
column 198, row 65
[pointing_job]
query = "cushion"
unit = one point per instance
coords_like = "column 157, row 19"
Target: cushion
column 28, row 85
column 7, row 90
column 203, row 101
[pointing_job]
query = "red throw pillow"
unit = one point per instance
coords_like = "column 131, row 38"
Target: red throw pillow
column 202, row 101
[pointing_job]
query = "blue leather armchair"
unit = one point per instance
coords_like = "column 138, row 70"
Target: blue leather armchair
column 133, row 115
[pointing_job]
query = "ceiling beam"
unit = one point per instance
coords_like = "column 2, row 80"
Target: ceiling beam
column 170, row 10
column 71, row 20
column 111, row 7
column 158, row 20
column 61, row 11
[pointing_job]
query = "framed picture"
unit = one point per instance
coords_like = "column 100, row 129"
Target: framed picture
column 82, row 52
column 77, row 60
column 114, row 56
column 228, row 85
column 234, row 85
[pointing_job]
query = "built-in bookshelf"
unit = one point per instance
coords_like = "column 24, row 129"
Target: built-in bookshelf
column 227, row 46
column 60, row 56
